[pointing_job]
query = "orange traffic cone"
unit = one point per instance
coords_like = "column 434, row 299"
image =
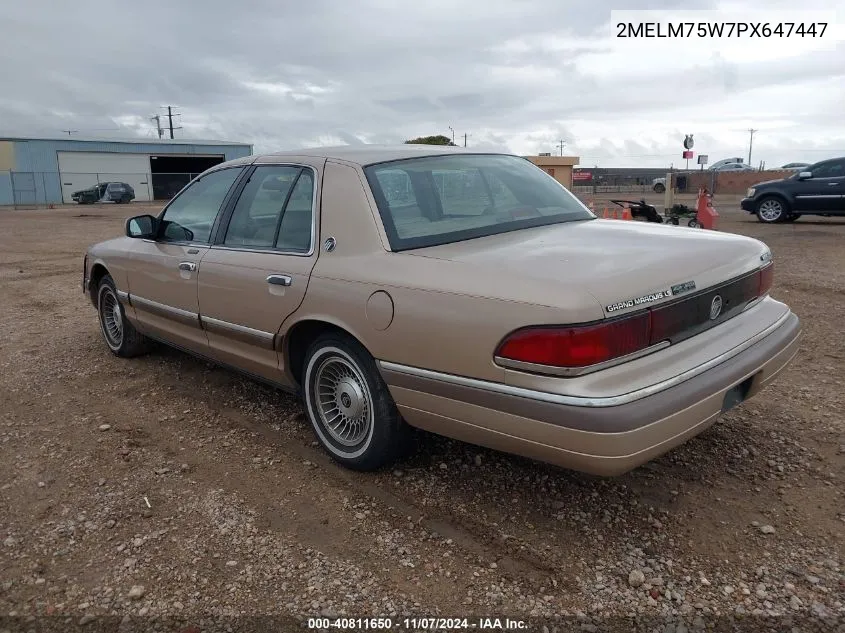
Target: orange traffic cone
column 615, row 214
column 605, row 214
column 626, row 214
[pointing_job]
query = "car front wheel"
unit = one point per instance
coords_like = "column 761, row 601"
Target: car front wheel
column 121, row 337
column 771, row 210
column 349, row 405
column 659, row 188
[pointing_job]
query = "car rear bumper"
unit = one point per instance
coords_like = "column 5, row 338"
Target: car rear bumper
column 603, row 440
column 748, row 204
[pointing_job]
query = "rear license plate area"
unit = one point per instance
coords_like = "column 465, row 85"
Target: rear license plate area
column 737, row 394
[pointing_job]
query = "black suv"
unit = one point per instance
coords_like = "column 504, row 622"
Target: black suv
column 118, row 192
column 815, row 190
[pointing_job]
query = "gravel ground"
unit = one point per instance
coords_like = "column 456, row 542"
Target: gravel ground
column 165, row 492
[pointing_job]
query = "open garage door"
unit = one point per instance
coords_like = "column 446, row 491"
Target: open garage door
column 170, row 173
column 80, row 170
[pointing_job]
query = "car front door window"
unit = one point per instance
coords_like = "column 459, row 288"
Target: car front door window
column 190, row 217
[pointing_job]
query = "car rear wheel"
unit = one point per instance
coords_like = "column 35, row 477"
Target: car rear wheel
column 772, row 209
column 349, row 405
column 120, row 335
column 659, row 188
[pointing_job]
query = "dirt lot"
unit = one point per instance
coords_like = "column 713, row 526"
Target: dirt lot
column 169, row 490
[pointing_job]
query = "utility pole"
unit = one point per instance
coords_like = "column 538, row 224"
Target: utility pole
column 157, row 119
column 453, row 133
column 69, row 132
column 465, row 139
column 170, row 115
column 562, row 143
column 750, row 143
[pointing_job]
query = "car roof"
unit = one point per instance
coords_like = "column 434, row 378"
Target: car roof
column 369, row 154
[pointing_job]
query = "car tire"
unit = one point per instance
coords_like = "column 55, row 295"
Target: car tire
column 659, row 188
column 772, row 209
column 694, row 223
column 341, row 380
column 120, row 335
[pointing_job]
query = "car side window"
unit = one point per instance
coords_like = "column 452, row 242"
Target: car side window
column 262, row 207
column 191, row 215
column 832, row 169
column 297, row 219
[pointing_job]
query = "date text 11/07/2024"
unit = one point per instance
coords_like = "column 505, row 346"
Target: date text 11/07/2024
column 417, row 624
column 689, row 30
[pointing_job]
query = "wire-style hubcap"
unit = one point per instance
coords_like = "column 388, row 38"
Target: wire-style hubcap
column 771, row 210
column 343, row 401
column 111, row 318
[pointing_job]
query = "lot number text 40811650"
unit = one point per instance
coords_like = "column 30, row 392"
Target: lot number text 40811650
column 688, row 30
column 417, row 624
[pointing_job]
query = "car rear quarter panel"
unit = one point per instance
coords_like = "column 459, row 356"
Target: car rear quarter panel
column 430, row 313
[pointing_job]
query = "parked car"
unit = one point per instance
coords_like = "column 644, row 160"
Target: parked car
column 118, row 192
column 796, row 166
column 726, row 161
column 734, row 167
column 659, row 185
column 466, row 294
column 817, row 190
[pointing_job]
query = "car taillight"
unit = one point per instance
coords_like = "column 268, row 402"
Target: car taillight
column 766, row 277
column 580, row 346
column 577, row 346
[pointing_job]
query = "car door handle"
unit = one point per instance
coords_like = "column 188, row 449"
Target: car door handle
column 832, row 184
column 280, row 280
column 187, row 266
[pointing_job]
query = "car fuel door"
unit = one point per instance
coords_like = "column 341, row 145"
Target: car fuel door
column 257, row 271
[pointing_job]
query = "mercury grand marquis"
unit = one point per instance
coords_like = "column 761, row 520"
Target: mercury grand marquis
column 467, row 294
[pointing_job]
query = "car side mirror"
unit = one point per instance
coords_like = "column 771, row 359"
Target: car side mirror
column 804, row 175
column 142, row 227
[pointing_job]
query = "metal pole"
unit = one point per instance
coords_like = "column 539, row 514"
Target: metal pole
column 750, row 144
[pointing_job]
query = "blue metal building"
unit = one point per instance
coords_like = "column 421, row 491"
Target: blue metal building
column 37, row 171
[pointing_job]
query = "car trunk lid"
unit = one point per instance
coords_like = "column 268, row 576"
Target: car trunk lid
column 626, row 265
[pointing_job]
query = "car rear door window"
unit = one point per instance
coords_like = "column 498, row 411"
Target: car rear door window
column 274, row 210
column 191, row 215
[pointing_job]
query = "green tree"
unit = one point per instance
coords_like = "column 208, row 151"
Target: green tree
column 438, row 139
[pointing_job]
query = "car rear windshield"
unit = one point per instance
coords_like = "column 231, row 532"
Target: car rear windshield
column 442, row 199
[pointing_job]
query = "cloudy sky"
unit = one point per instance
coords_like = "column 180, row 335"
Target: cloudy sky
column 513, row 74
